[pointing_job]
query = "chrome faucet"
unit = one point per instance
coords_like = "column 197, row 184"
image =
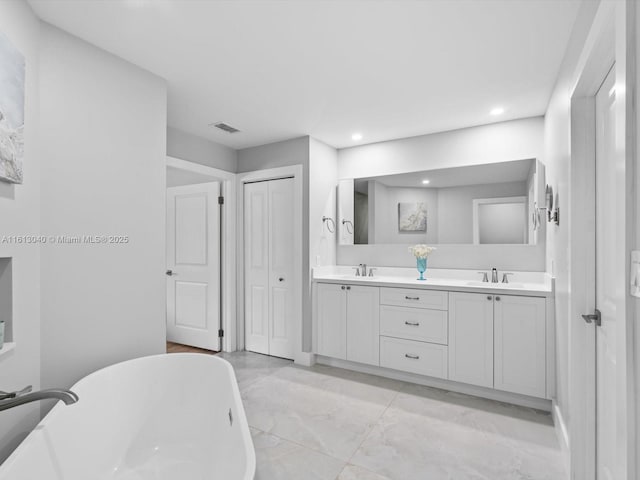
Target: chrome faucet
column 14, row 399
column 494, row 275
column 505, row 277
column 363, row 269
column 485, row 277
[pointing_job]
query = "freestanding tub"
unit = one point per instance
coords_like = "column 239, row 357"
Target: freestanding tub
column 165, row 417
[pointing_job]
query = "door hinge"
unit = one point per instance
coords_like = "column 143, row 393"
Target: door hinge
column 220, row 333
column 220, row 200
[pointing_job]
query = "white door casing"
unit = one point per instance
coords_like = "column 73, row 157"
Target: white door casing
column 606, row 295
column 193, row 259
column 269, row 267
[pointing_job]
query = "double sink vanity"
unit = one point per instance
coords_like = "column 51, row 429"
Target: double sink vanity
column 452, row 330
column 489, row 333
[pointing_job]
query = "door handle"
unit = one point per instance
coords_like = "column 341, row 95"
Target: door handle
column 169, row 273
column 280, row 279
column 595, row 317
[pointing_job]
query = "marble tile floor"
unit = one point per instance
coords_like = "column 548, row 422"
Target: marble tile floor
column 324, row 423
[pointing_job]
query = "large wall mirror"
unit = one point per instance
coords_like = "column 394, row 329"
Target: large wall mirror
column 492, row 203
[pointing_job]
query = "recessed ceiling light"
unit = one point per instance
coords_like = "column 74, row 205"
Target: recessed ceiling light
column 425, row 182
column 497, row 111
column 356, row 137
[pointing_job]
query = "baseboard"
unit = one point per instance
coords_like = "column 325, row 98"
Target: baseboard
column 305, row 359
column 562, row 433
column 497, row 395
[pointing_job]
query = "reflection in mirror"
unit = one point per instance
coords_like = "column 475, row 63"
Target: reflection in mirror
column 480, row 204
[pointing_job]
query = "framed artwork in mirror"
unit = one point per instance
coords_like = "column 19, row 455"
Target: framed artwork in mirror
column 412, row 217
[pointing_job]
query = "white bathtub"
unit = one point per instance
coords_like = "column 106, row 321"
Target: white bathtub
column 165, row 417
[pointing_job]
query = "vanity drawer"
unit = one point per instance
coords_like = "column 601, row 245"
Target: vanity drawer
column 414, row 323
column 415, row 357
column 408, row 297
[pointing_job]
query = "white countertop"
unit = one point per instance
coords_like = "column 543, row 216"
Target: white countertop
column 520, row 283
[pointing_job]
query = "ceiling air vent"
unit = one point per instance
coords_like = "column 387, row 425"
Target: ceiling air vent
column 225, row 127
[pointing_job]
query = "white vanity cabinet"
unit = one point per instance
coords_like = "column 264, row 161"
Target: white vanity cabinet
column 498, row 341
column 471, row 338
column 520, row 345
column 348, row 322
column 331, row 320
column 478, row 340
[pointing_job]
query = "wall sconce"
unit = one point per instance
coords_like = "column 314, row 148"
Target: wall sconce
column 552, row 214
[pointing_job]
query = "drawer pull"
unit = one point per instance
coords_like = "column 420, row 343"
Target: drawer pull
column 406, row 297
column 412, row 357
column 412, row 324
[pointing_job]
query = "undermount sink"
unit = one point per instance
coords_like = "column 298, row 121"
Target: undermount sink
column 495, row 285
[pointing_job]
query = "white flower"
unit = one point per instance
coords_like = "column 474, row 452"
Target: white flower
column 421, row 251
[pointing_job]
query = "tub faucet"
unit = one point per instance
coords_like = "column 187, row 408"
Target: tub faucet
column 13, row 399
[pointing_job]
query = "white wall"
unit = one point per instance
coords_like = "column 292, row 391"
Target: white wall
column 20, row 215
column 103, row 133
column 557, row 156
column 513, row 140
column 323, row 175
column 498, row 142
column 186, row 146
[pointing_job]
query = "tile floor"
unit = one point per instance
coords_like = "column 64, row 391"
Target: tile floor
column 324, row 423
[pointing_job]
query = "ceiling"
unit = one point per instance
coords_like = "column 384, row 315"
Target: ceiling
column 501, row 172
column 282, row 69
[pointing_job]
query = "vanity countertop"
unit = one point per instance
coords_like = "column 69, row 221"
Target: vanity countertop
column 538, row 284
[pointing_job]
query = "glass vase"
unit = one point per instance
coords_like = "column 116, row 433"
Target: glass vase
column 421, row 265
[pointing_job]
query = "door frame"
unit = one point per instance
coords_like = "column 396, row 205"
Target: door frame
column 295, row 172
column 607, row 43
column 228, row 224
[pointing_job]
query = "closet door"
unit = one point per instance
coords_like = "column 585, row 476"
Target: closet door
column 281, row 324
column 256, row 266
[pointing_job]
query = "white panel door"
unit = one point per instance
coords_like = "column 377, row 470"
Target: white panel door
column 281, row 295
column 363, row 324
column 193, row 265
column 471, row 338
column 331, row 320
column 606, row 281
column 520, row 345
column 256, row 266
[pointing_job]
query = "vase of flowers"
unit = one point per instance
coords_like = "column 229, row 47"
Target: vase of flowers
column 421, row 252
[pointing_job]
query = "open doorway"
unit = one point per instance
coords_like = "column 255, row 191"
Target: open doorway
column 198, row 237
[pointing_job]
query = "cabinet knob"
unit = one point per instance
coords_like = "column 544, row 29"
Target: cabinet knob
column 489, row 297
column 348, row 287
column 343, row 287
column 497, row 299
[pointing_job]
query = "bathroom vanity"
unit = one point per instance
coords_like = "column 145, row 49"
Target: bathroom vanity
column 451, row 331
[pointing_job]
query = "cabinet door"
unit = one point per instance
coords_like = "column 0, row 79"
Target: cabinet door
column 363, row 324
column 331, row 318
column 471, row 338
column 520, row 332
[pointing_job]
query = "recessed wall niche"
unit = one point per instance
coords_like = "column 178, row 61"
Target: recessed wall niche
column 6, row 299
